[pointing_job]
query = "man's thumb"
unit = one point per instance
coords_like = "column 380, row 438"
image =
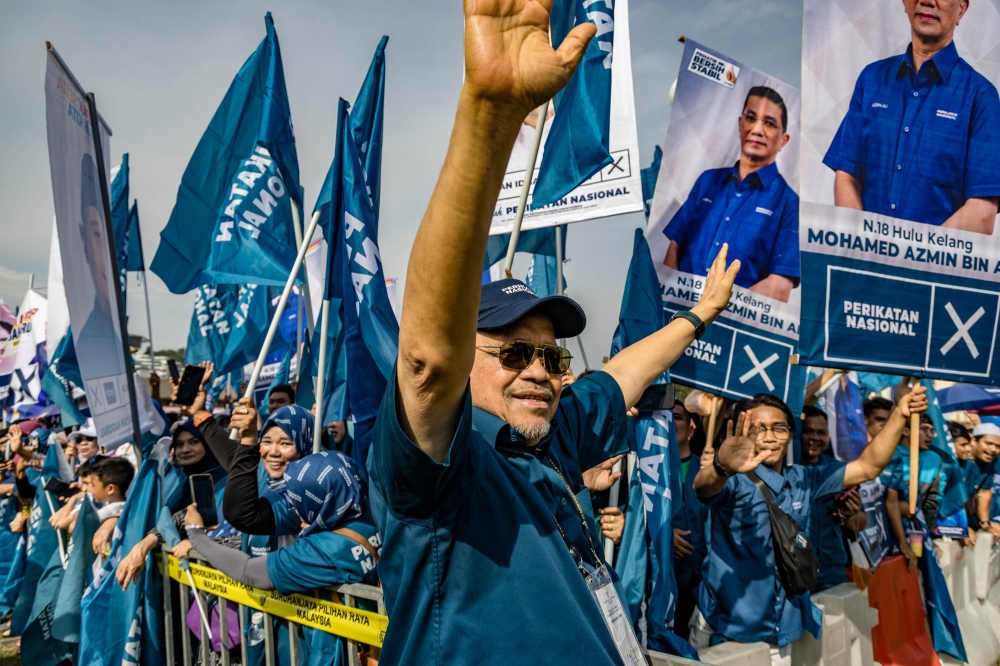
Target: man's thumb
column 574, row 45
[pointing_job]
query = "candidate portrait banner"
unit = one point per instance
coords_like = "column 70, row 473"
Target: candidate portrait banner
column 900, row 251
column 729, row 174
column 616, row 189
column 91, row 288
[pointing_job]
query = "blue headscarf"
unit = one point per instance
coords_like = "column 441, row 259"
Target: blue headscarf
column 296, row 422
column 42, row 435
column 326, row 490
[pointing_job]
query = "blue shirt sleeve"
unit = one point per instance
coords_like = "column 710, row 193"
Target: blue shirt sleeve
column 412, row 483
column 785, row 254
column 593, row 410
column 318, row 560
column 681, row 223
column 825, row 480
column 286, row 521
column 982, row 174
column 845, row 153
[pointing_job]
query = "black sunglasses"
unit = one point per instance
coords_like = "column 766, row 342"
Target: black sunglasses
column 519, row 354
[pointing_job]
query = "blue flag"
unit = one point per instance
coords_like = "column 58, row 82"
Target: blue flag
column 535, row 241
column 15, row 576
column 942, row 620
column 76, row 578
column 9, row 509
column 42, row 539
column 280, row 377
column 366, row 123
column 371, row 332
column 659, row 466
column 543, row 271
column 649, row 176
column 211, row 323
column 335, row 399
column 134, row 260
column 119, row 220
column 250, row 321
column 122, row 628
column 633, row 555
column 232, row 222
column 62, row 369
column 577, row 145
column 38, row 645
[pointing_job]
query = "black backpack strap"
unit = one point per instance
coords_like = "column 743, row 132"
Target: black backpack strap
column 764, row 491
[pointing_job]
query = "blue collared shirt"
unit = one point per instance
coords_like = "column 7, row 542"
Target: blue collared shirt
column 693, row 516
column 758, row 217
column 921, row 143
column 742, row 597
column 474, row 567
column 827, row 539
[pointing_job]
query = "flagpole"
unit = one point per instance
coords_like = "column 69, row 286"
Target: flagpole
column 529, row 174
column 52, row 511
column 149, row 325
column 583, row 353
column 296, row 222
column 559, row 267
column 324, row 326
column 276, row 319
column 109, row 232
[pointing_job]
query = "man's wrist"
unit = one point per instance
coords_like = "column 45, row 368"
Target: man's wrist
column 704, row 312
column 502, row 115
column 720, row 469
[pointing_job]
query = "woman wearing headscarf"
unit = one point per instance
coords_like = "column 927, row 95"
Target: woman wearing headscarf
column 338, row 543
column 189, row 452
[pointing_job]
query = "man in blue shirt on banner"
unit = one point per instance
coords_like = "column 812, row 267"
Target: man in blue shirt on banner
column 920, row 138
column 748, row 205
column 476, row 458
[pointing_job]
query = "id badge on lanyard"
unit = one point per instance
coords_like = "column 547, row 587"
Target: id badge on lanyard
column 602, row 588
column 619, row 624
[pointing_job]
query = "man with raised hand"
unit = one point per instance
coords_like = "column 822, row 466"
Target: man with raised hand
column 476, row 460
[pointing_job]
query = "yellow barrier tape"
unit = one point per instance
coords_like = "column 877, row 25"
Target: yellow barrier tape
column 355, row 624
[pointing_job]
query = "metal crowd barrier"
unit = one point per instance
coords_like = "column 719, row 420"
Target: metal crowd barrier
column 349, row 595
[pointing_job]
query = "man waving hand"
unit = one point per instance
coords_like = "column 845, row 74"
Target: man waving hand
column 478, row 451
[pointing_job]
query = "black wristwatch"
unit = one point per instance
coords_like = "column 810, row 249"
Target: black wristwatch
column 719, row 468
column 687, row 315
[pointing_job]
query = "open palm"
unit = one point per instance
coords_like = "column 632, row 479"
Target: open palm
column 508, row 57
column 739, row 452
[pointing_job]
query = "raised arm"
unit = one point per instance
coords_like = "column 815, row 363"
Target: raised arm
column 510, row 69
column 878, row 453
column 639, row 365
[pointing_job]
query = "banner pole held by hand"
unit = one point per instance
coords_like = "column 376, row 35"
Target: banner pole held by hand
column 711, row 420
column 529, row 175
column 828, row 383
column 914, row 459
column 201, row 605
column 276, row 319
column 609, row 545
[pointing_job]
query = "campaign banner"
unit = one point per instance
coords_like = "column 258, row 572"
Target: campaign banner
column 900, row 255
column 729, row 174
column 23, row 360
column 91, row 287
column 616, row 189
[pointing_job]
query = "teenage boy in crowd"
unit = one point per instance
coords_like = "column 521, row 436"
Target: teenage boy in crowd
column 690, row 525
column 828, row 518
column 742, row 597
column 477, row 454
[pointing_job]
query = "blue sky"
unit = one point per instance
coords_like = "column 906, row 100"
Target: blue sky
column 159, row 70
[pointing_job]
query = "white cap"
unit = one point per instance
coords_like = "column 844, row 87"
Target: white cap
column 986, row 429
column 88, row 430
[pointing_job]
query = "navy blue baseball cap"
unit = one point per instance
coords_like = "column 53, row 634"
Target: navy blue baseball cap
column 505, row 301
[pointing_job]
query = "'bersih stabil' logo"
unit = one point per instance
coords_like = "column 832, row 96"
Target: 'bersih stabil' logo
column 712, row 68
